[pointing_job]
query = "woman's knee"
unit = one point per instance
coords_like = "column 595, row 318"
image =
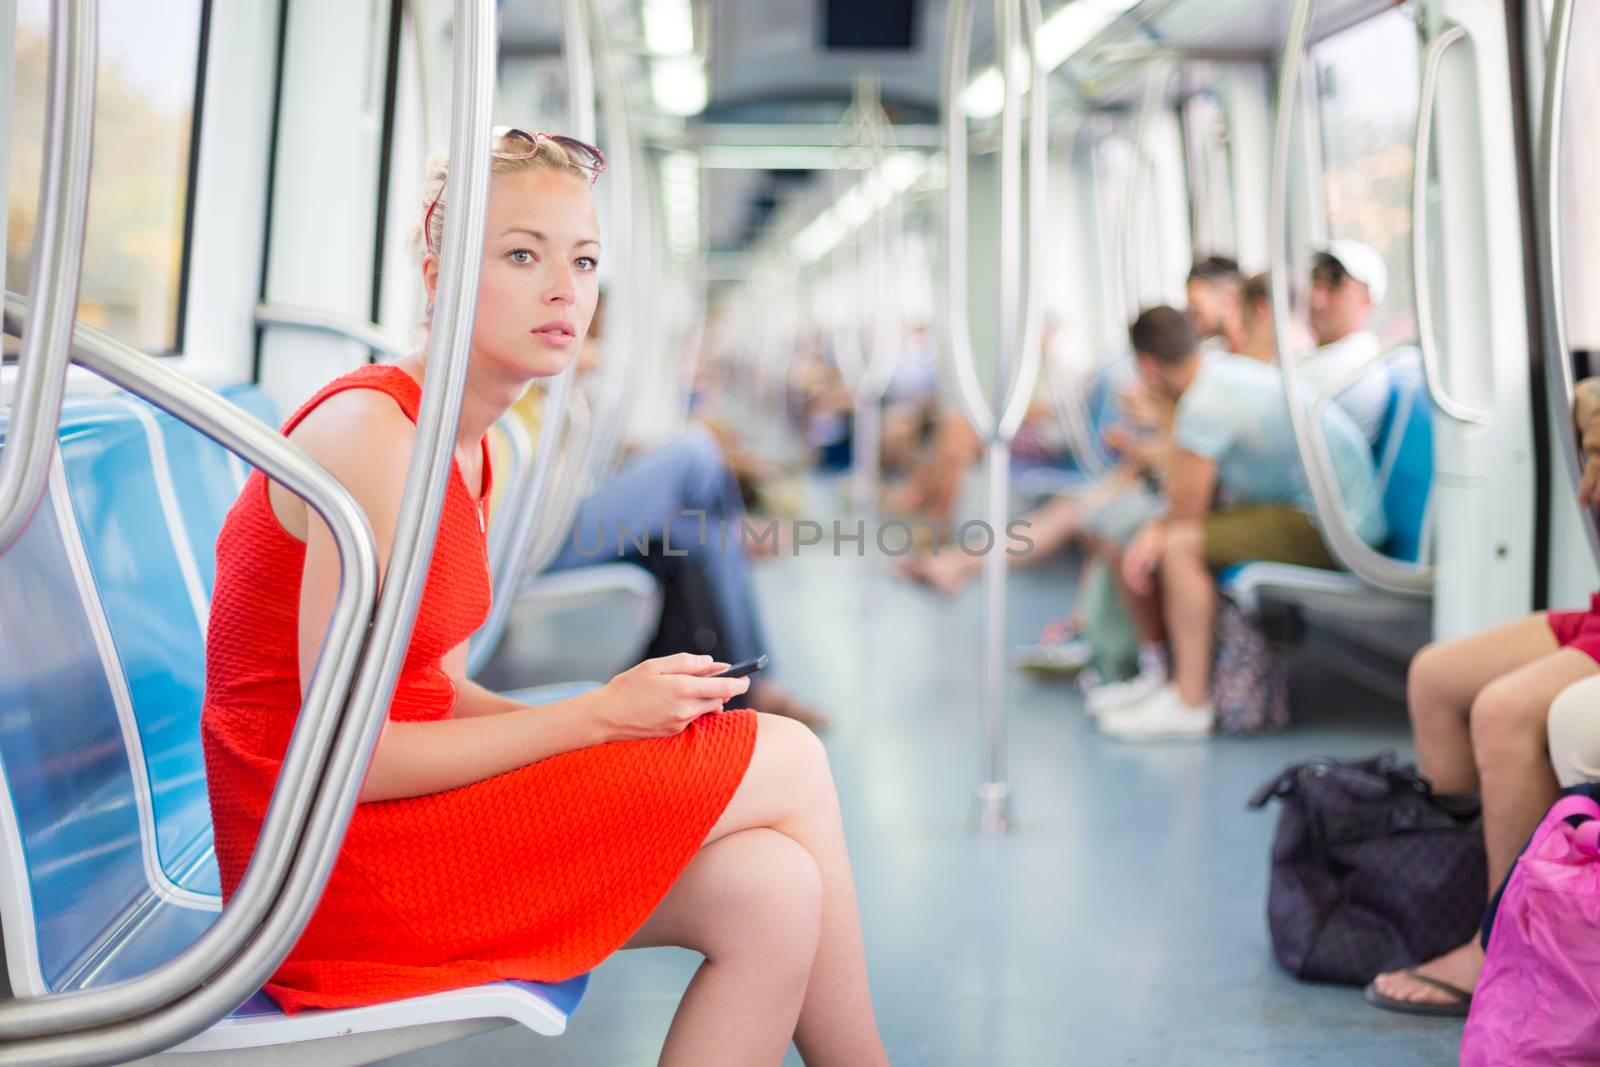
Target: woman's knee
column 1574, row 733
column 767, row 902
column 796, row 757
column 1430, row 678
column 1506, row 719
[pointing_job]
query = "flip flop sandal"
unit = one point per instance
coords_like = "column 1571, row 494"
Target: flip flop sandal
column 1462, row 998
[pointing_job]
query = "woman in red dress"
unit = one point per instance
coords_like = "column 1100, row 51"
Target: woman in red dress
column 496, row 840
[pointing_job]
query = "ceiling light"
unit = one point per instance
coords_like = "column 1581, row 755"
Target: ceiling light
column 896, row 174
column 678, row 85
column 1071, row 27
column 668, row 27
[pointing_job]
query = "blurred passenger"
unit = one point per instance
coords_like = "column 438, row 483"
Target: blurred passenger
column 1142, row 440
column 1348, row 282
column 1234, row 491
column 1260, row 339
column 1214, row 289
column 679, row 497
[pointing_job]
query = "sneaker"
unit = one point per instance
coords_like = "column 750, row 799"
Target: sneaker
column 1052, row 657
column 1162, row 716
column 1113, row 696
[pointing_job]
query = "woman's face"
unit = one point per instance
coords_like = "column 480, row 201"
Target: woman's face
column 539, row 282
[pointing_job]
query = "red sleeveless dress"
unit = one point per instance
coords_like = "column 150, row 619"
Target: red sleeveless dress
column 538, row 874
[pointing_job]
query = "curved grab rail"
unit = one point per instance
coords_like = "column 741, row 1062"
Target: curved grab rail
column 958, row 41
column 1421, row 276
column 1558, row 364
column 1013, row 390
column 1352, row 553
column 624, row 301
column 518, row 480
column 57, row 265
column 333, row 797
column 1151, row 98
column 317, row 320
column 284, row 462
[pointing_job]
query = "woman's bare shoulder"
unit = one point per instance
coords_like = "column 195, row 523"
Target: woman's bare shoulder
column 358, row 428
column 361, row 437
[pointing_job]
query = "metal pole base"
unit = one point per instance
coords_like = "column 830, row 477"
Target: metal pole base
column 991, row 809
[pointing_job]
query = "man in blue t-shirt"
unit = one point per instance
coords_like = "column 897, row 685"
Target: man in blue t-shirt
column 1235, row 492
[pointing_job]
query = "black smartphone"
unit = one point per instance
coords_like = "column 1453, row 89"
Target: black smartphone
column 740, row 670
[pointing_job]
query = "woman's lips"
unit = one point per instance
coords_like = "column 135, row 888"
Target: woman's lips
column 560, row 336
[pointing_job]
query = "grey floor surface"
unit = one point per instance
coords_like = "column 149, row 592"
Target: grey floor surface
column 1120, row 923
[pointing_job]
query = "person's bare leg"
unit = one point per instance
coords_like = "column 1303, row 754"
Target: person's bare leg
column 751, row 902
column 789, row 788
column 1507, row 731
column 956, row 448
column 1444, row 680
column 1049, row 528
column 1143, row 609
column 1189, row 596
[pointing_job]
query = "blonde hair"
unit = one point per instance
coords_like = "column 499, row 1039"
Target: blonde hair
column 547, row 155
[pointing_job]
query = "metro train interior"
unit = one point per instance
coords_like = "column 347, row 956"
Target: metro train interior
column 1149, row 446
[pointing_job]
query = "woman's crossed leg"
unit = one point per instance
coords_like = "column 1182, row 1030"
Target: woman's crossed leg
column 1478, row 711
column 771, row 902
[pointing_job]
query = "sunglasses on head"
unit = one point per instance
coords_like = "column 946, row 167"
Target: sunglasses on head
column 510, row 142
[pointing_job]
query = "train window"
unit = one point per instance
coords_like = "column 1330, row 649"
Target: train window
column 145, row 102
column 1205, row 142
column 1367, row 88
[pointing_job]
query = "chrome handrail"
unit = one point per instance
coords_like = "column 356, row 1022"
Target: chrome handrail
column 1152, row 97
column 333, row 797
column 1015, row 372
column 57, row 265
column 1344, row 544
column 623, row 302
column 1558, row 363
column 1421, row 276
column 288, row 465
column 569, row 483
column 958, row 41
column 317, row 320
column 517, row 479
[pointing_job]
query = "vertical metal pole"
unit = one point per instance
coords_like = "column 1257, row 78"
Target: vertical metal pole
column 1559, row 370
column 1017, row 355
column 57, row 265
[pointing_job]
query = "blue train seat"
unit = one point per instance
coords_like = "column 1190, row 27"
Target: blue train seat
column 1403, row 458
column 106, row 863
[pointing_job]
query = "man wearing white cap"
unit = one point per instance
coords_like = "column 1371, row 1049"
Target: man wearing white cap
column 1348, row 282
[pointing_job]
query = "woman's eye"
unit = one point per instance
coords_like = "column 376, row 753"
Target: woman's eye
column 520, row 255
column 587, row 263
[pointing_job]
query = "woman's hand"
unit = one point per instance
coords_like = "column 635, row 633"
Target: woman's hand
column 660, row 697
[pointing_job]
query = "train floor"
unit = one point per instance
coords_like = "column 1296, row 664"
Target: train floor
column 1121, row 922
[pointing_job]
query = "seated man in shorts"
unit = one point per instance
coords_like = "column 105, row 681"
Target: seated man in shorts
column 1235, row 492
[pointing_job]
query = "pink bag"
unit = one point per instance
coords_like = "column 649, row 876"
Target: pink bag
column 1538, row 1002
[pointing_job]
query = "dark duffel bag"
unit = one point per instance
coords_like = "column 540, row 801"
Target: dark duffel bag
column 1369, row 872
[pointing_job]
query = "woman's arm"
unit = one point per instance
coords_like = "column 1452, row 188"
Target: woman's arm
column 417, row 758
column 364, row 440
